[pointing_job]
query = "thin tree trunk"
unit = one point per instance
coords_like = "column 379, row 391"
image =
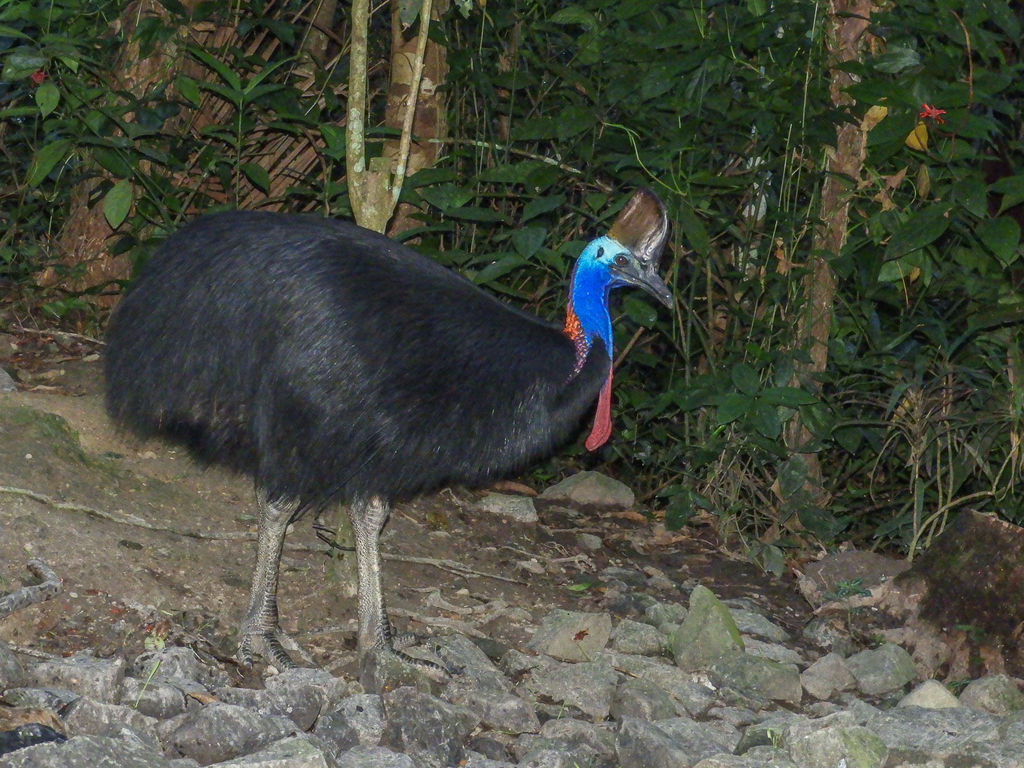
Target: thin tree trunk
column 846, row 39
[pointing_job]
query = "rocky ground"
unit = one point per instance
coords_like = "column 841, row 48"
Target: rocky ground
column 587, row 635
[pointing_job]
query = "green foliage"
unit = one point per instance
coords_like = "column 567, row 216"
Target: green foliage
column 556, row 111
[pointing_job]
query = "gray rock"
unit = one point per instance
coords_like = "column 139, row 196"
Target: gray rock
column 87, row 752
column 12, row 674
column 780, row 653
column 219, row 732
column 157, row 698
column 518, row 508
column 591, row 488
column 589, row 542
column 298, row 694
column 669, row 743
column 693, row 697
column 6, row 382
column 758, row 757
column 588, row 686
column 177, row 662
column 502, row 711
column 599, row 737
column 660, row 614
column 881, row 670
column 758, row 678
column 636, row 638
column 429, row 730
column 558, row 756
column 572, row 635
column 769, row 732
column 708, row 633
column 476, row 760
column 828, row 633
column 998, row 694
column 931, row 694
column 851, row 745
column 94, row 718
column 40, row 698
column 374, row 757
column 83, row 673
column 354, row 721
column 933, row 731
column 624, row 577
column 751, row 623
column 291, row 752
column 642, row 699
column 826, row 676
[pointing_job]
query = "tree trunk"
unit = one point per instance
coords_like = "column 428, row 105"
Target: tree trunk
column 846, row 39
column 430, row 119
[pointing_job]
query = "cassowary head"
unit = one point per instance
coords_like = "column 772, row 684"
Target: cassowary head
column 627, row 256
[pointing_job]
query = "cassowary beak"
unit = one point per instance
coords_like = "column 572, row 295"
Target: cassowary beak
column 645, row 276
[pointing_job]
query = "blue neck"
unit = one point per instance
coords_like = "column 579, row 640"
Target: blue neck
column 588, row 294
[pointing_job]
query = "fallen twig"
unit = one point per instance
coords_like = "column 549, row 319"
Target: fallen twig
column 33, row 593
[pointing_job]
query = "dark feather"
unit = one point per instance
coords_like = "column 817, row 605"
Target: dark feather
column 330, row 363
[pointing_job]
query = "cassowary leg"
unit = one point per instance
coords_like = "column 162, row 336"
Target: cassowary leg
column 260, row 629
column 368, row 518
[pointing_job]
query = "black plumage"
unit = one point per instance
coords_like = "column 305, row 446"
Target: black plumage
column 334, row 365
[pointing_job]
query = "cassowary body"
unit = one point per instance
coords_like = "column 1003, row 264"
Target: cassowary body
column 334, row 365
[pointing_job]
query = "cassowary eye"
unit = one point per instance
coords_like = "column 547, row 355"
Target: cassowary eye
column 621, row 260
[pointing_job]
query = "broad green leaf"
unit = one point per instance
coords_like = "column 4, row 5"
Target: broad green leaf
column 896, row 59
column 112, row 160
column 790, row 397
column 694, row 231
column 227, row 74
column 499, row 268
column 574, row 14
column 117, row 203
column 475, row 213
column 189, row 90
column 1012, row 190
column 731, row 407
column 765, row 419
column 638, row 310
column 745, row 379
column 921, row 228
column 47, row 98
column 574, row 120
column 541, row 205
column 792, row 475
column 527, row 240
column 45, row 159
column 258, row 175
column 1002, row 237
column 447, row 197
column 508, row 173
column 21, row 62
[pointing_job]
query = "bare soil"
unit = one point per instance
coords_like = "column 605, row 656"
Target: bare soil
column 132, row 528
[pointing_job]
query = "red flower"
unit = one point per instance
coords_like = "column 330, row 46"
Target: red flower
column 37, row 77
column 932, row 113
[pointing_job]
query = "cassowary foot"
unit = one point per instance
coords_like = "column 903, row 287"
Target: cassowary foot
column 270, row 644
column 386, row 668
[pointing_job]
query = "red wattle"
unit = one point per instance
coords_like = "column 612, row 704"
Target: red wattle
column 602, row 428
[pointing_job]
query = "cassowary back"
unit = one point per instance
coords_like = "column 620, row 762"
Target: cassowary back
column 332, row 363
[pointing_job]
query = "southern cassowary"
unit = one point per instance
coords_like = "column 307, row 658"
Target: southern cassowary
column 334, row 365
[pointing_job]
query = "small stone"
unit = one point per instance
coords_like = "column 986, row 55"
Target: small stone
column 572, row 635
column 591, row 488
column 589, row 542
column 642, row 699
column 219, row 732
column 636, row 638
column 759, row 678
column 930, row 694
column 83, row 673
column 751, row 623
column 708, row 633
column 587, row 686
column 660, row 614
column 290, row 752
column 826, row 676
column 352, row 721
column 881, row 670
column 6, row 382
column 12, row 674
column 425, row 728
column 374, row 757
column 518, row 508
column 87, row 751
column 998, row 694
column 853, row 746
column 94, row 718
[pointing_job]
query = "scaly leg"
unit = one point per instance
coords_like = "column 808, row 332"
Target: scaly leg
column 368, row 519
column 260, row 627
